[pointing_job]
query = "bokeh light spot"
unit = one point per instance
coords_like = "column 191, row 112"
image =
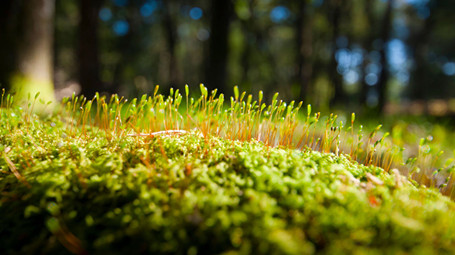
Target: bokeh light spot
column 147, row 9
column 105, row 14
column 343, row 57
column 351, row 77
column 279, row 14
column 449, row 68
column 396, row 54
column 196, row 13
column 371, row 79
column 203, row 34
column 121, row 27
column 356, row 57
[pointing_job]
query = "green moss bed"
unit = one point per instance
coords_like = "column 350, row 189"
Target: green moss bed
column 94, row 193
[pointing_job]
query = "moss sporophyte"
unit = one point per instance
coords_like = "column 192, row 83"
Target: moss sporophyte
column 111, row 175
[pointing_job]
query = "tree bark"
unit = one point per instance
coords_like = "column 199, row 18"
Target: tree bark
column 89, row 63
column 35, row 69
column 216, row 71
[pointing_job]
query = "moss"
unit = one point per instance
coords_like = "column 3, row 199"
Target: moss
column 83, row 188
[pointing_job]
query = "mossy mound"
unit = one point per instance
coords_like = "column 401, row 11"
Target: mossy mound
column 186, row 194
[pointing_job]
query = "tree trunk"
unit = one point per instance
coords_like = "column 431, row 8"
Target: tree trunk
column 305, row 48
column 216, row 71
column 89, row 63
column 384, row 76
column 35, row 69
column 7, row 45
column 338, row 95
column 171, row 36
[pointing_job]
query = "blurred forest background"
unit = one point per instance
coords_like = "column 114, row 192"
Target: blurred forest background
column 382, row 56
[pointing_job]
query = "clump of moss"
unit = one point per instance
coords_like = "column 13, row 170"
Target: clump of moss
column 148, row 176
column 188, row 193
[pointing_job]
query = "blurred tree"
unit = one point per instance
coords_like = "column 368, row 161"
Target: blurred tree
column 419, row 42
column 216, row 70
column 128, row 37
column 335, row 12
column 264, row 30
column 34, row 53
column 66, row 23
column 245, row 9
column 385, row 38
column 170, row 31
column 303, row 30
column 8, row 24
column 88, row 50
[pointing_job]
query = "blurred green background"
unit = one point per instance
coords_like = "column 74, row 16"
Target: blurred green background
column 382, row 56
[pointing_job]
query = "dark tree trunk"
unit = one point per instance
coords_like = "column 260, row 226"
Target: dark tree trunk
column 384, row 75
column 247, row 28
column 304, row 45
column 7, row 45
column 89, row 63
column 245, row 59
column 338, row 95
column 419, row 43
column 216, row 71
column 171, row 36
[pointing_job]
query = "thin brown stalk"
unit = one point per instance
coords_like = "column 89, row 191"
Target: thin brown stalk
column 14, row 170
